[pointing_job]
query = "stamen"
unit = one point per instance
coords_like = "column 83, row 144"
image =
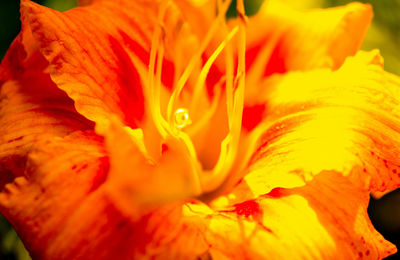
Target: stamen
column 157, row 85
column 229, row 70
column 154, row 85
column 194, row 61
column 206, row 68
column 229, row 145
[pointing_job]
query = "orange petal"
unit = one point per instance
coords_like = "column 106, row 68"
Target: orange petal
column 317, row 121
column 281, row 39
column 199, row 14
column 69, row 205
column 107, row 233
column 89, row 50
column 32, row 108
column 60, row 174
column 136, row 182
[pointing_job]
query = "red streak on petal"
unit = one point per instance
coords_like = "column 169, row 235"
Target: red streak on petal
column 248, row 208
column 164, row 148
column 167, row 75
column 252, row 116
column 168, row 69
column 135, row 47
column 251, row 55
column 276, row 63
column 130, row 85
column 102, row 173
column 213, row 77
column 276, row 193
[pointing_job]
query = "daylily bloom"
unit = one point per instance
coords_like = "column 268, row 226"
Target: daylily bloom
column 163, row 130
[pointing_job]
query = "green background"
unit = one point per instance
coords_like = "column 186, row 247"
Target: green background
column 384, row 35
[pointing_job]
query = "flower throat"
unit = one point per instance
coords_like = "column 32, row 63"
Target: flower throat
column 178, row 118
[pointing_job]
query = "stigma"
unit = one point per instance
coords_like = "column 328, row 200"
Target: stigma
column 182, row 118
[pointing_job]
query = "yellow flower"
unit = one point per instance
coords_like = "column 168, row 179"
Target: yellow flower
column 160, row 129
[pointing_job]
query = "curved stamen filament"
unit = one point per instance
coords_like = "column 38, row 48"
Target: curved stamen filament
column 229, row 145
column 206, row 68
column 177, row 119
column 157, row 86
column 229, row 66
column 240, row 78
column 153, row 96
column 194, row 61
column 154, row 85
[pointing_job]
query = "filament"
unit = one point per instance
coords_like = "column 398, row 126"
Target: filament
column 206, row 68
column 154, row 85
column 194, row 61
column 229, row 145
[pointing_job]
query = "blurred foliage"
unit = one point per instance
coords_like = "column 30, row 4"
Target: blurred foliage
column 9, row 18
column 9, row 23
column 385, row 216
column 61, row 5
column 251, row 7
column 384, row 35
column 11, row 246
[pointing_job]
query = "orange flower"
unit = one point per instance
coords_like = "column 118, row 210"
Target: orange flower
column 158, row 129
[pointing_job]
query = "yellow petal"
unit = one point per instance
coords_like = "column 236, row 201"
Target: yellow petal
column 327, row 219
column 316, row 121
column 281, row 39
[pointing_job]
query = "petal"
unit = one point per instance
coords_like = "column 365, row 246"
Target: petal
column 136, row 182
column 85, row 62
column 199, row 14
column 60, row 173
column 346, row 121
column 161, row 234
column 327, row 219
column 89, row 50
column 262, row 228
column 65, row 207
column 32, row 108
column 294, row 40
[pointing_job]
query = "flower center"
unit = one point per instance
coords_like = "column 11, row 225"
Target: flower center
column 177, row 119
